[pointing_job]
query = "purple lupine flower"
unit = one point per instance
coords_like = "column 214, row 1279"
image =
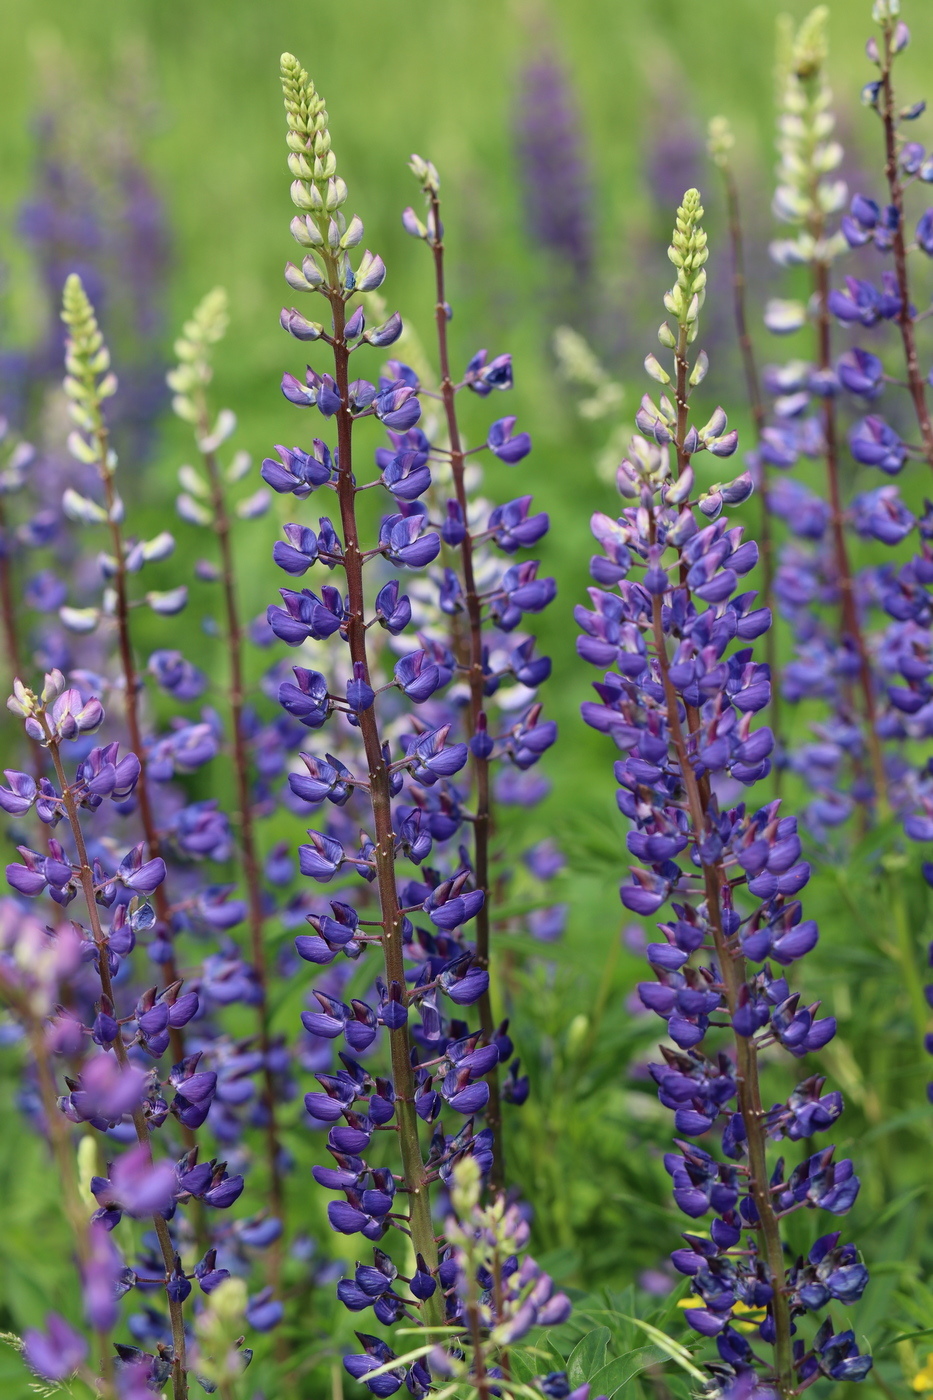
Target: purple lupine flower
column 405, row 758
column 874, row 443
column 714, row 940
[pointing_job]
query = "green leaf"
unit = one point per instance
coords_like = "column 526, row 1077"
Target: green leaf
column 909, row 1336
column 524, row 1365
column 677, row 1353
column 613, row 1376
column 588, row 1356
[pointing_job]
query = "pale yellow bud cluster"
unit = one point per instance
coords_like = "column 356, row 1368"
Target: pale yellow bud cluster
column 316, row 188
column 88, row 377
column 193, row 372
column 688, row 252
column 807, row 191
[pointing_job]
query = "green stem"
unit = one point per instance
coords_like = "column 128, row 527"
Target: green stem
column 851, row 624
column 131, row 687
column 905, row 945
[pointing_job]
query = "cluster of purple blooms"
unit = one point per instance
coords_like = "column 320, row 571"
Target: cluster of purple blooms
column 862, row 756
column 442, row 656
column 872, row 684
column 428, row 681
column 679, row 701
column 116, row 1084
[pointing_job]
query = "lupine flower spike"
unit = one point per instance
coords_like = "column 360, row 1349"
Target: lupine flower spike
column 905, row 595
column 679, row 704
column 89, row 383
column 469, row 593
column 110, row 1086
column 808, row 195
column 408, row 805
column 905, row 163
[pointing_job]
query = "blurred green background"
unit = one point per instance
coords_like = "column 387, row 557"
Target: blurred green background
column 440, row 77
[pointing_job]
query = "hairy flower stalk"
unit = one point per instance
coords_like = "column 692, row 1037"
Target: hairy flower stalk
column 721, row 143
column 405, row 808
column 189, row 381
column 807, row 155
column 894, row 39
column 733, row 899
column 320, row 192
column 482, row 822
column 89, row 382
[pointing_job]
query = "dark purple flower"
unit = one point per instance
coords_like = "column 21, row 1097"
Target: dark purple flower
column 508, row 446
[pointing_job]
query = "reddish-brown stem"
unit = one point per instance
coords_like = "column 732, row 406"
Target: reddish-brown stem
column 86, row 876
column 422, row 1228
column 682, row 394
column 759, row 418
column 482, row 826
column 851, row 624
column 732, row 966
column 905, row 320
column 480, row 1379
column 131, row 708
column 247, row 836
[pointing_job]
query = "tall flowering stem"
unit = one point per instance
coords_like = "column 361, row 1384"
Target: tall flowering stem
column 482, row 823
column 89, row 382
column 805, row 197
column 189, row 381
column 166, row 1247
column 733, row 897
column 405, row 808
column 320, row 191
column 894, row 39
